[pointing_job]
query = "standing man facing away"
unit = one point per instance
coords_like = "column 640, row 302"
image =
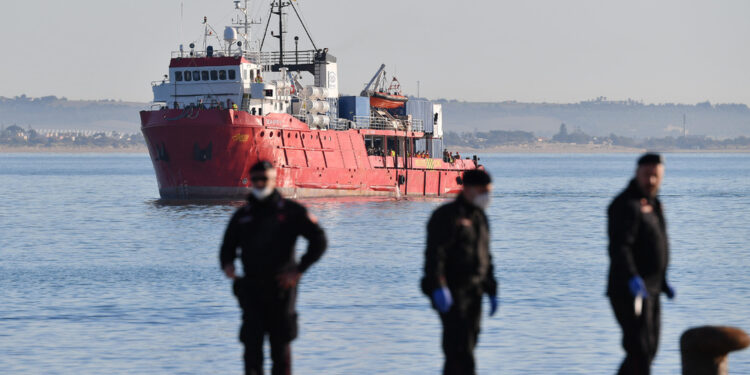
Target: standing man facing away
column 458, row 270
column 639, row 254
column 266, row 230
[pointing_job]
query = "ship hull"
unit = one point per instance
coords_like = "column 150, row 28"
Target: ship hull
column 206, row 154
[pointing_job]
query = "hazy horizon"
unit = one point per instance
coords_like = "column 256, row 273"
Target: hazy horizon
column 536, row 51
column 506, row 101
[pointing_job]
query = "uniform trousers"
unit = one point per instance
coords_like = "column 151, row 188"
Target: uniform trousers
column 640, row 334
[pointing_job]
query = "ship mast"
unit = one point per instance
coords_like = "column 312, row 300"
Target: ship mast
column 280, row 4
column 303, row 60
column 244, row 24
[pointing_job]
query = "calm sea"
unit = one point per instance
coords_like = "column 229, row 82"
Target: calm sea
column 99, row 276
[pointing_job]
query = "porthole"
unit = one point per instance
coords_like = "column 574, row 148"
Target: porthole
column 262, row 133
column 289, row 135
column 296, row 135
column 303, row 136
column 270, row 134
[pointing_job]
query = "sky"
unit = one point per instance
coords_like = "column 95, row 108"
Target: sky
column 563, row 51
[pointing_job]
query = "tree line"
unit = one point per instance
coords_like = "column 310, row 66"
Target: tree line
column 17, row 136
column 496, row 138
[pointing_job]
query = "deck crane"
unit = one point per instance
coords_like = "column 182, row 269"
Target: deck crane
column 367, row 91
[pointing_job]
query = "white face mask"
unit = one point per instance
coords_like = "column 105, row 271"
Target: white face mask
column 261, row 194
column 482, row 201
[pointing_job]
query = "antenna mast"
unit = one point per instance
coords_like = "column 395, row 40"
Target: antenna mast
column 244, row 24
column 280, row 4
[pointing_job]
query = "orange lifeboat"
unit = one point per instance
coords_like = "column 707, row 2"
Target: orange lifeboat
column 390, row 98
column 387, row 101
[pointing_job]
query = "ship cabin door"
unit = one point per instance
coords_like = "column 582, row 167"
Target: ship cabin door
column 396, row 151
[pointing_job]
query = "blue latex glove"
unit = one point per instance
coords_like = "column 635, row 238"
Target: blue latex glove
column 670, row 292
column 442, row 299
column 637, row 287
column 493, row 305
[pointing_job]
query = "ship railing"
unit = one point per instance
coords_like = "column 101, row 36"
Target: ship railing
column 341, row 124
column 371, row 122
column 186, row 54
column 383, row 123
column 290, row 57
column 417, row 125
column 266, row 58
column 253, row 56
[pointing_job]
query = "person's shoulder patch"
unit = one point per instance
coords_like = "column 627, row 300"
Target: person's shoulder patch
column 312, row 218
column 646, row 207
column 464, row 222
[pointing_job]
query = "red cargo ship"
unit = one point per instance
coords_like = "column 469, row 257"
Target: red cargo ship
column 219, row 111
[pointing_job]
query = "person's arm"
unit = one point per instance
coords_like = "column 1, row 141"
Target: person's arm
column 623, row 231
column 316, row 246
column 490, row 283
column 228, row 251
column 438, row 237
column 667, row 288
column 316, row 239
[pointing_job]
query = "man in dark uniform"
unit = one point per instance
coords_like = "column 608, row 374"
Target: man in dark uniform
column 458, row 270
column 266, row 230
column 639, row 254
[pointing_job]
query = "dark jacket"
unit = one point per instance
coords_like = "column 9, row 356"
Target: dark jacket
column 458, row 250
column 638, row 243
column 267, row 231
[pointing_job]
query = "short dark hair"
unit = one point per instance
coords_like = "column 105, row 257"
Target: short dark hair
column 650, row 158
column 261, row 166
column 476, row 177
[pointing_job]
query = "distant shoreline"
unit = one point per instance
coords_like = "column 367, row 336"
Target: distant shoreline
column 565, row 148
column 540, row 148
column 74, row 150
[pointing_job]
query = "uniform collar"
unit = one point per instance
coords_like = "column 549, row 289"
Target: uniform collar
column 463, row 202
column 638, row 193
column 271, row 200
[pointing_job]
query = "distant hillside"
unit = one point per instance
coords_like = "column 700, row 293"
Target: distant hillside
column 50, row 112
column 600, row 118
column 597, row 117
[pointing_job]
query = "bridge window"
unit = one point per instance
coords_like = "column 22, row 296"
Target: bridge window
column 268, row 93
column 204, row 75
column 188, row 76
column 178, row 76
column 196, row 75
column 214, row 75
column 222, row 75
column 232, row 74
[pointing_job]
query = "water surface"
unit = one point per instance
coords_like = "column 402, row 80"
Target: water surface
column 100, row 276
